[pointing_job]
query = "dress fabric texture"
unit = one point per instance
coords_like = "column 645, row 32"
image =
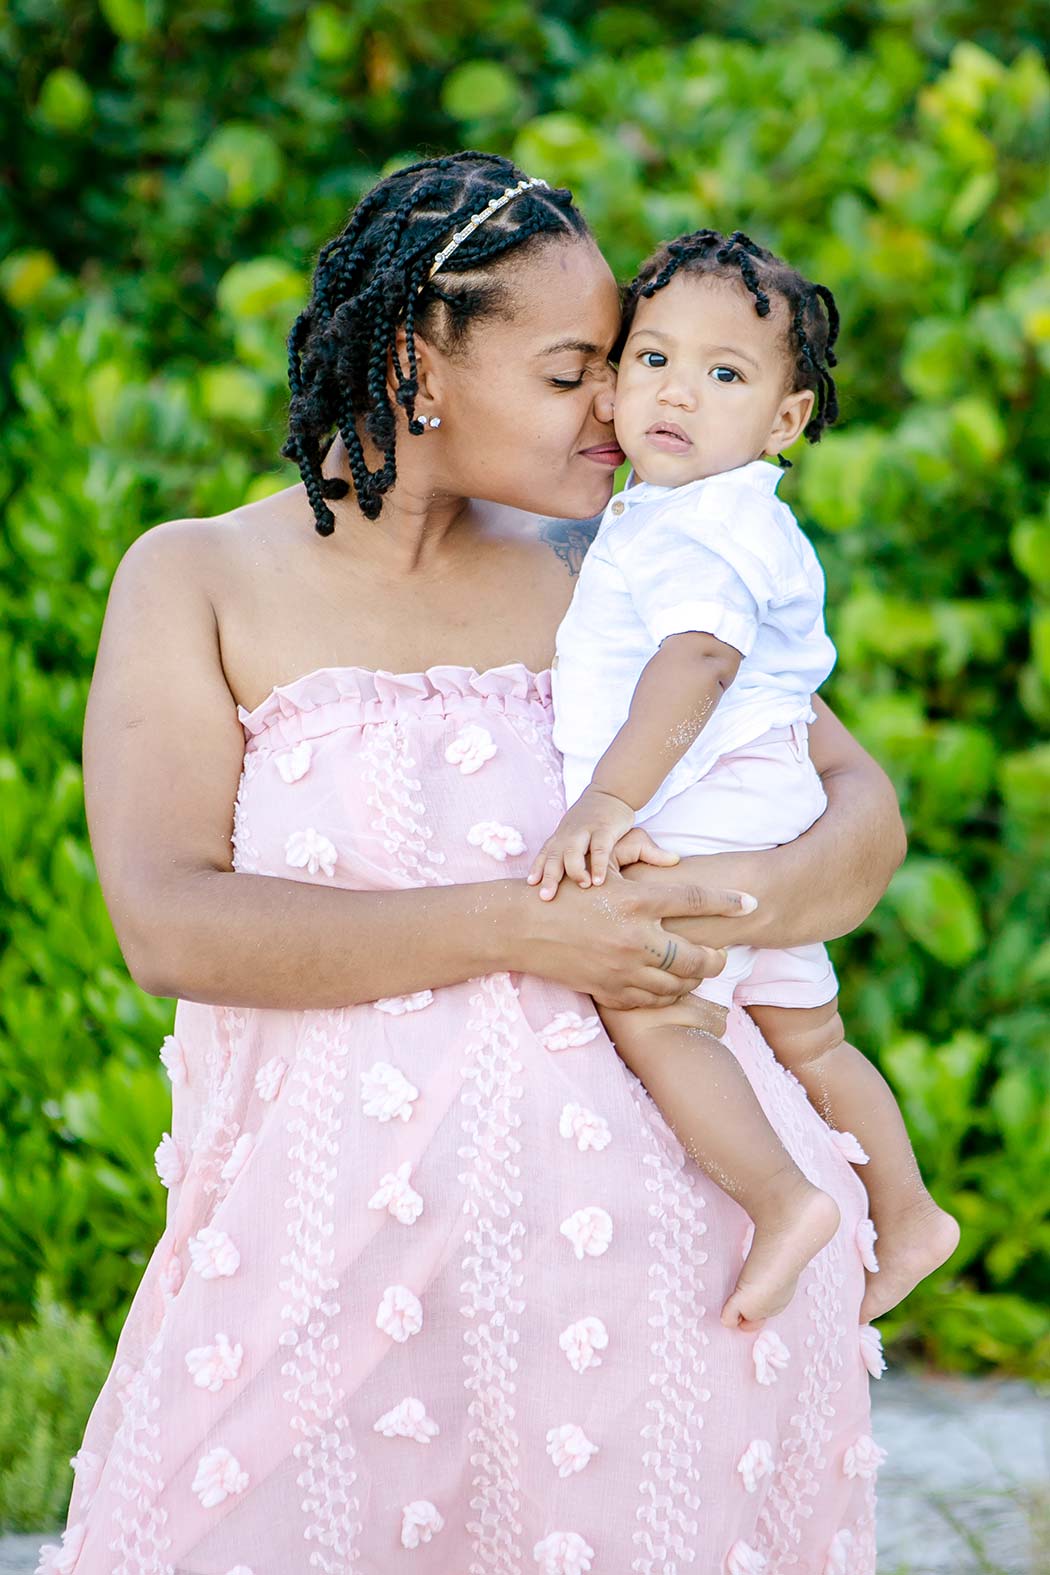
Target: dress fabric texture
column 438, row 1290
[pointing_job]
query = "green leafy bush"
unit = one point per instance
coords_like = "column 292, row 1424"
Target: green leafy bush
column 173, row 186
column 51, row 1370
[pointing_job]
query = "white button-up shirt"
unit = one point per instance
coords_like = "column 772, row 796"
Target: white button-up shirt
column 723, row 556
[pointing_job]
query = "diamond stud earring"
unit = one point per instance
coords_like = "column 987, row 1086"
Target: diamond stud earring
column 435, row 421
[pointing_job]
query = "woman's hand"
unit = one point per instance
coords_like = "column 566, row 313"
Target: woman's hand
column 824, row 883
column 610, row 941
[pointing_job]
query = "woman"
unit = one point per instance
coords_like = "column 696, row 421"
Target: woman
column 438, row 1289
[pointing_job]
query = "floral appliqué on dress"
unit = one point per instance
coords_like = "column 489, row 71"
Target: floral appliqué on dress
column 386, row 1093
column 582, row 1341
column 590, row 1231
column 419, row 1521
column 567, row 1030
column 470, row 748
column 408, row 1419
column 396, row 1193
column 498, row 841
column 219, row 1476
column 770, row 1355
column 400, row 1313
column 588, row 1130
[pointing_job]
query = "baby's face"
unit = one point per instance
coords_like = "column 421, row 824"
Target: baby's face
column 702, row 380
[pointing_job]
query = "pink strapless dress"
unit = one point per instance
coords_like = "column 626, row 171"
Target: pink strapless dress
column 439, row 1290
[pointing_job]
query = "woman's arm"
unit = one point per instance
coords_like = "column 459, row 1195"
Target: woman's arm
column 163, row 751
column 824, row 883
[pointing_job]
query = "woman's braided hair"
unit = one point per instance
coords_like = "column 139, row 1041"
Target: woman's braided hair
column 372, row 278
column 814, row 324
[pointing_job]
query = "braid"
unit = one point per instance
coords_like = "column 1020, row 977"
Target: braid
column 677, row 253
column 371, row 280
column 823, row 294
column 741, row 250
column 814, row 322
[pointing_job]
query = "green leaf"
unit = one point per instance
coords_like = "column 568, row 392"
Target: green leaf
column 1040, row 628
column 333, row 33
column 562, row 147
column 937, row 359
column 977, row 430
column 888, row 626
column 24, row 274
column 836, row 478
column 250, row 160
column 955, row 770
column 232, row 393
column 1030, row 549
column 65, row 101
column 972, row 201
column 261, row 287
column 480, row 90
column 129, row 19
column 1024, row 780
column 938, row 908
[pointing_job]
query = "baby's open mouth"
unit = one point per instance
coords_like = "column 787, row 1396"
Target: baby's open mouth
column 668, row 435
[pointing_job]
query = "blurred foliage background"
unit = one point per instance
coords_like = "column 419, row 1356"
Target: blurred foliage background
column 169, row 175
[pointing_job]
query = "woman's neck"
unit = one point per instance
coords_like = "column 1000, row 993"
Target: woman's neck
column 416, row 529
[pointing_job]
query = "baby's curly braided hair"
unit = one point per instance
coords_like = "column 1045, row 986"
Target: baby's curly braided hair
column 372, row 279
column 814, row 324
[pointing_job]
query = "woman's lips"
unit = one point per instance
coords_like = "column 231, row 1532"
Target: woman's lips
column 610, row 454
column 668, row 436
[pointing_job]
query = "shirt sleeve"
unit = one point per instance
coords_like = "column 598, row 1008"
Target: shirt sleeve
column 685, row 572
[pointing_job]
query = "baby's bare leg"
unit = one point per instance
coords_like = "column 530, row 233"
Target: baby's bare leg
column 915, row 1234
column 711, row 1107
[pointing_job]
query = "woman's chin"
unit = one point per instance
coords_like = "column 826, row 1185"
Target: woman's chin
column 566, row 503
column 585, row 503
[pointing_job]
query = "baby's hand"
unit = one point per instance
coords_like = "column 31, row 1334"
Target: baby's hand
column 593, row 825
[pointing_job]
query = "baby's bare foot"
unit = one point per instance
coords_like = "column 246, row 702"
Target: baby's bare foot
column 783, row 1245
column 911, row 1246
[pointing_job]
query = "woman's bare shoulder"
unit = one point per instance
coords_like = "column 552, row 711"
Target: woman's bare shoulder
column 168, row 609
column 210, row 571
column 200, row 549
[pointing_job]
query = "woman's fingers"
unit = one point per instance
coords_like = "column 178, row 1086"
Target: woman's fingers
column 690, row 900
column 621, row 949
column 648, row 988
column 685, row 963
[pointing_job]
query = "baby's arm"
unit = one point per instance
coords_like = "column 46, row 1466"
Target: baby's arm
column 673, row 700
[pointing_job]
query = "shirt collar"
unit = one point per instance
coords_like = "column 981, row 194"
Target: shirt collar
column 757, row 473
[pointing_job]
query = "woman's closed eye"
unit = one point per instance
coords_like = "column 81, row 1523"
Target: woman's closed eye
column 567, row 382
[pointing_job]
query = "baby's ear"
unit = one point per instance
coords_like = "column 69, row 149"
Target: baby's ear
column 795, row 410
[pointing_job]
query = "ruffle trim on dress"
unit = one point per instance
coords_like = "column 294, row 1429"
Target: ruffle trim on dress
column 334, row 697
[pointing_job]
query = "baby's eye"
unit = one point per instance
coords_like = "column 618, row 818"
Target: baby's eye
column 729, row 377
column 661, row 359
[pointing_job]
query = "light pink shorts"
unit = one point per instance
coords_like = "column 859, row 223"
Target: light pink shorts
column 759, row 796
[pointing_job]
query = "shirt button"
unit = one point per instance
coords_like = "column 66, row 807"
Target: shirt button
column 619, row 506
